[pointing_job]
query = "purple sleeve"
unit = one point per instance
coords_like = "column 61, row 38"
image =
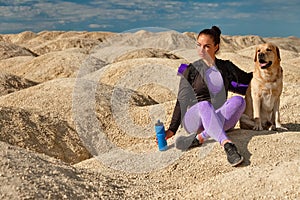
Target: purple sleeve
column 181, row 69
column 239, row 87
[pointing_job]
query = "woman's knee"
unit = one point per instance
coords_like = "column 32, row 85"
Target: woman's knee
column 202, row 105
column 193, row 117
column 239, row 102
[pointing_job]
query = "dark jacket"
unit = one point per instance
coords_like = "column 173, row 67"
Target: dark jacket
column 193, row 88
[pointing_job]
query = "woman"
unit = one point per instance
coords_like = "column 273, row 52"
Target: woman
column 202, row 104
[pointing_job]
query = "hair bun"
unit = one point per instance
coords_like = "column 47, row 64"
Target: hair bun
column 216, row 30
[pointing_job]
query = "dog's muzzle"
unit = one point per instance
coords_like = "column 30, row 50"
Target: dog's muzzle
column 262, row 62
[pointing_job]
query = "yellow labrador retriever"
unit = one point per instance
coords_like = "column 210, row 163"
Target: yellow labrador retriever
column 263, row 94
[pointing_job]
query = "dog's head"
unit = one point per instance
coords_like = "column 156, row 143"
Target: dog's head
column 267, row 55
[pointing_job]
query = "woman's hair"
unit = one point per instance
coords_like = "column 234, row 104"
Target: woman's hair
column 214, row 32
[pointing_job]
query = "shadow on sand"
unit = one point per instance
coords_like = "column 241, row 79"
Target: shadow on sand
column 242, row 137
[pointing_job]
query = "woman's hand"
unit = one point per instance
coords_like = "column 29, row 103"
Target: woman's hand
column 169, row 134
column 206, row 57
column 206, row 52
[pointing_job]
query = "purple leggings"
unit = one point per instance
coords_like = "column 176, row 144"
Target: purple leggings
column 202, row 117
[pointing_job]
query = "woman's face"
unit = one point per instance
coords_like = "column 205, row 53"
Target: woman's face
column 206, row 45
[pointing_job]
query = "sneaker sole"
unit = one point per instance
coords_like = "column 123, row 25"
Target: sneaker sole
column 240, row 161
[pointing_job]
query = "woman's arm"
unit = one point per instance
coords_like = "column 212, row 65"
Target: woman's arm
column 240, row 79
column 185, row 96
column 176, row 118
column 242, row 76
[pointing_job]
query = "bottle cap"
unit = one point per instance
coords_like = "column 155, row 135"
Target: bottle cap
column 159, row 123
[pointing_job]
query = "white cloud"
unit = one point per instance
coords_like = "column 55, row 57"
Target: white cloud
column 175, row 14
column 67, row 11
column 235, row 4
column 18, row 12
column 19, row 27
column 107, row 10
column 280, row 2
column 14, row 2
column 96, row 26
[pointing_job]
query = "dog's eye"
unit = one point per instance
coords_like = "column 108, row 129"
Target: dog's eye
column 258, row 50
column 269, row 49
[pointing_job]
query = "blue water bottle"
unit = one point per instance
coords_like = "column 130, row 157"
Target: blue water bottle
column 161, row 136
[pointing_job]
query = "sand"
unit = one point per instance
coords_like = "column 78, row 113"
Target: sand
column 78, row 109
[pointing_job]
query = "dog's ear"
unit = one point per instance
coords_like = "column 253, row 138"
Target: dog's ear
column 255, row 56
column 278, row 53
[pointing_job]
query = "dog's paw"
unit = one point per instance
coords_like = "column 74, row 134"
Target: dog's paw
column 257, row 127
column 272, row 128
column 281, row 128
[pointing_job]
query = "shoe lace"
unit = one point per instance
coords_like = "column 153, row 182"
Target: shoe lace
column 231, row 150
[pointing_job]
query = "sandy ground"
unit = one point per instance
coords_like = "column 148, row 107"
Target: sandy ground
column 78, row 109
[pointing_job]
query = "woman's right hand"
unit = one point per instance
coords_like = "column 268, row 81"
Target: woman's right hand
column 203, row 54
column 169, row 134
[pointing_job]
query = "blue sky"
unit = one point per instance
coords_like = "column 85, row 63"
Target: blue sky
column 266, row 18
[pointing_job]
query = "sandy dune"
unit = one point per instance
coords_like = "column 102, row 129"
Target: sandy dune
column 77, row 112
